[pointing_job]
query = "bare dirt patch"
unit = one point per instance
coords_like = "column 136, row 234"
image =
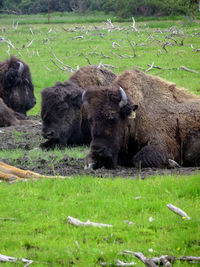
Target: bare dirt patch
column 29, row 137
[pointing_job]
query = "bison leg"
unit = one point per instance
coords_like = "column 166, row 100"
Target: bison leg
column 150, row 156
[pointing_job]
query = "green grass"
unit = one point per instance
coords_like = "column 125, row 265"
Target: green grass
column 33, row 219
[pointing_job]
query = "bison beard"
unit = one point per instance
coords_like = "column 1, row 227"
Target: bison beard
column 166, row 127
column 16, row 88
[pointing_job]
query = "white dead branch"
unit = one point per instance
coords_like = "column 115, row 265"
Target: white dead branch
column 121, row 263
column 7, row 41
column 30, row 43
column 178, row 211
column 4, row 258
column 15, row 26
column 65, row 66
column 109, row 24
column 106, row 66
column 8, row 51
column 115, row 44
column 151, row 67
column 190, row 70
column 133, row 25
column 146, row 261
column 28, row 262
column 77, row 37
column 77, row 222
column 61, row 68
column 31, row 31
column 196, row 50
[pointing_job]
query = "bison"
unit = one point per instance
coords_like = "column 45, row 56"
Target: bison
column 16, row 88
column 143, row 121
column 61, row 105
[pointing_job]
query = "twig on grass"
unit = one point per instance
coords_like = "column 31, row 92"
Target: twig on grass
column 151, row 67
column 195, row 49
column 30, row 43
column 4, row 258
column 145, row 260
column 65, row 66
column 77, row 222
column 178, row 211
column 190, row 70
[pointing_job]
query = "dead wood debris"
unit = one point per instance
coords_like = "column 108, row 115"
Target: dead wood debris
column 195, row 49
column 77, row 222
column 178, row 211
column 4, row 258
column 190, row 70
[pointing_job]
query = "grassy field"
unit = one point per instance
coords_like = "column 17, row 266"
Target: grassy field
column 33, row 214
column 34, row 224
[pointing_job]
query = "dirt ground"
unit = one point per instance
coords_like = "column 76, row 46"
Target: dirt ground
column 29, row 137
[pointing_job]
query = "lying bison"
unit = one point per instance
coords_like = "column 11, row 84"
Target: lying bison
column 166, row 127
column 16, row 88
column 61, row 105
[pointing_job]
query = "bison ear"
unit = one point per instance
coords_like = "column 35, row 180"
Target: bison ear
column 128, row 110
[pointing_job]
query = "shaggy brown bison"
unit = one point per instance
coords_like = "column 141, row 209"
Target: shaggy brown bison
column 16, row 88
column 61, row 105
column 166, row 126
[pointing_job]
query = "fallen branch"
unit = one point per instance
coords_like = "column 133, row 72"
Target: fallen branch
column 133, row 25
column 151, row 67
column 4, row 258
column 196, row 50
column 61, row 68
column 30, row 43
column 178, row 211
column 67, row 66
column 186, row 69
column 132, row 46
column 77, row 222
column 77, row 37
column 115, row 44
column 145, row 260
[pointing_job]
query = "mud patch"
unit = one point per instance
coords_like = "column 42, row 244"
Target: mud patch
column 29, row 137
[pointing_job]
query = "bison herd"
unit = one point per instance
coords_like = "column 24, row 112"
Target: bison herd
column 132, row 119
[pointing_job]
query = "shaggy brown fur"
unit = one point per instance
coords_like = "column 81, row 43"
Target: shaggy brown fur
column 61, row 106
column 167, row 119
column 7, row 116
column 16, row 88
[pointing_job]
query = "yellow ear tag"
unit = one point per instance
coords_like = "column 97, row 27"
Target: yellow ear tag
column 133, row 115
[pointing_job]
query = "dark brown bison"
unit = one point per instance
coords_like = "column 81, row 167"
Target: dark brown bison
column 16, row 88
column 166, row 127
column 61, row 105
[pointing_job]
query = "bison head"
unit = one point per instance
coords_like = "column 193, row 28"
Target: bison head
column 108, row 112
column 61, row 114
column 17, row 88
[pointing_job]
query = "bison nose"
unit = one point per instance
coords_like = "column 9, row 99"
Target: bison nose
column 49, row 134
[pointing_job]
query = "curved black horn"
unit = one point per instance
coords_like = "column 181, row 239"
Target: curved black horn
column 21, row 67
column 123, row 100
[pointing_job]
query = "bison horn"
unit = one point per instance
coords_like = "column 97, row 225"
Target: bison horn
column 123, row 100
column 83, row 96
column 21, row 67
